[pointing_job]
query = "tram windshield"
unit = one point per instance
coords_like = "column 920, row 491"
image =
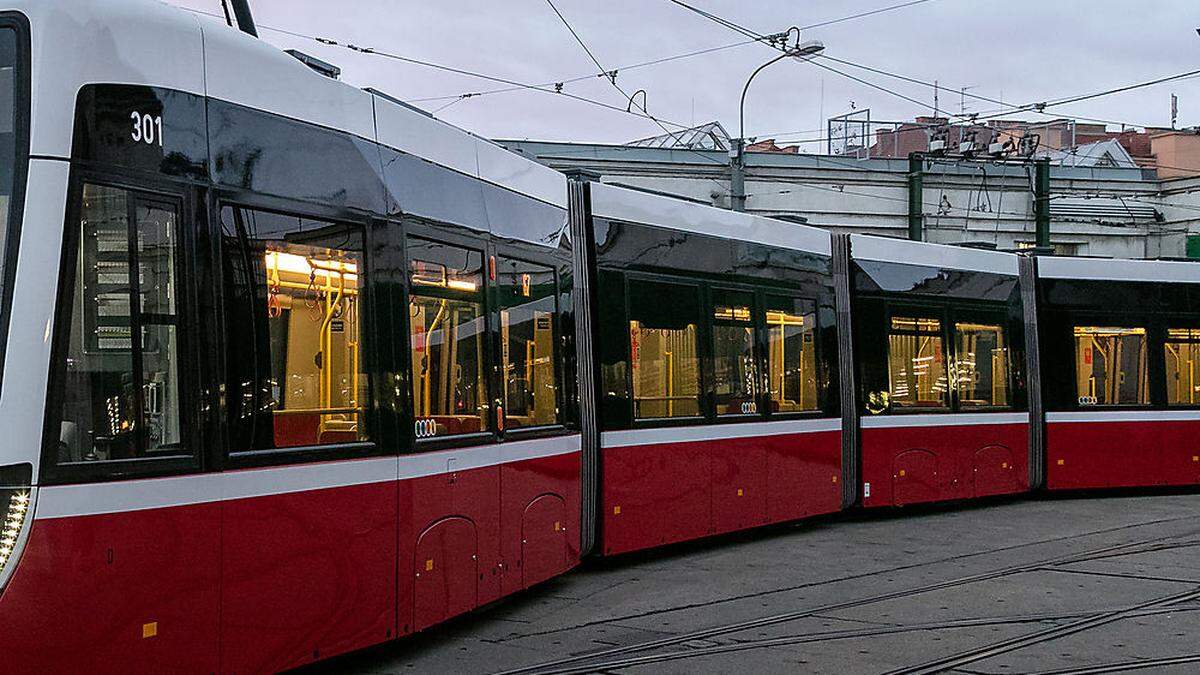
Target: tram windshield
column 9, row 126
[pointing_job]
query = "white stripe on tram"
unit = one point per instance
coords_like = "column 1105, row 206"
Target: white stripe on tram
column 64, row 501
column 716, row 432
column 1125, row 416
column 943, row 420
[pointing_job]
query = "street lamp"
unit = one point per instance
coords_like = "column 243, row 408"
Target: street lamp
column 738, row 177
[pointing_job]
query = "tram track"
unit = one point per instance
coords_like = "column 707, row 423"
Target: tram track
column 831, row 636
column 994, row 649
column 852, row 577
column 1125, row 666
column 593, row 661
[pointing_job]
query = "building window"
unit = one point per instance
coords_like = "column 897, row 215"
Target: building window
column 916, row 363
column 663, row 350
column 1182, row 350
column 1060, row 248
column 1110, row 366
column 981, row 365
column 294, row 317
column 791, row 354
column 528, row 323
column 446, row 341
column 735, row 376
column 121, row 385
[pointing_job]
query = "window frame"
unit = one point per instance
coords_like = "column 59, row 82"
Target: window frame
column 957, row 315
column 706, row 408
column 708, row 308
column 949, row 313
column 190, row 379
column 427, row 231
column 821, row 392
column 22, row 116
column 920, row 310
column 244, row 459
column 1155, row 363
column 493, row 305
column 1159, row 341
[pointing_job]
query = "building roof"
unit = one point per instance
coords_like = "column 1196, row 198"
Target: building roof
column 1108, row 152
column 711, row 136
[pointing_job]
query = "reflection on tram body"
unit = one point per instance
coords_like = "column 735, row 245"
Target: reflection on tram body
column 981, row 365
column 917, row 370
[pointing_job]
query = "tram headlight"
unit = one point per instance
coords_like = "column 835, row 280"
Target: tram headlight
column 16, row 507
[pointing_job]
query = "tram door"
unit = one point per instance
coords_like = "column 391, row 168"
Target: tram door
column 124, row 392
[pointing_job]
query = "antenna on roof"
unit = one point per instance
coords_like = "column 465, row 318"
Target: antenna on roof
column 245, row 20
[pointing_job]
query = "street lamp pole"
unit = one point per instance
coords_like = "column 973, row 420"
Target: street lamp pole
column 738, row 168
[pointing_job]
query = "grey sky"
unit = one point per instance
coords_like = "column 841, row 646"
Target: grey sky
column 1018, row 50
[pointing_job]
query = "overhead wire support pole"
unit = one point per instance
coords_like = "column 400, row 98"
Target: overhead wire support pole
column 916, row 194
column 738, row 171
column 737, row 178
column 1041, row 204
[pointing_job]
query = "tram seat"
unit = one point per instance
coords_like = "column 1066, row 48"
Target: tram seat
column 339, row 436
column 451, row 425
column 292, row 431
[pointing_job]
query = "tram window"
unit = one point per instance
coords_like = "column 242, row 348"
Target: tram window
column 527, row 298
column 791, row 354
column 981, row 365
column 663, row 349
column 447, row 333
column 735, row 375
column 916, row 363
column 1182, row 350
column 294, row 331
column 121, row 394
column 1110, row 366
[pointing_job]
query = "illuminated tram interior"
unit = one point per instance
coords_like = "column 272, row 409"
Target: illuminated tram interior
column 313, row 309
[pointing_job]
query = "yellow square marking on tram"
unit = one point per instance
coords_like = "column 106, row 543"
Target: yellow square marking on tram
column 835, row 479
column 429, row 565
column 1061, row 462
column 149, row 630
column 1196, row 458
column 1004, row 465
column 902, row 473
column 616, row 510
column 739, row 492
column 557, row 526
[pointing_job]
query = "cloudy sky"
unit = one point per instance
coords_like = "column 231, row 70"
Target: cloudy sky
column 1018, row 51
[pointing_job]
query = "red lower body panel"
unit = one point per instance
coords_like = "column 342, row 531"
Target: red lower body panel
column 306, row 576
column 666, row 492
column 914, row 464
column 134, row 592
column 1123, row 453
column 256, row 584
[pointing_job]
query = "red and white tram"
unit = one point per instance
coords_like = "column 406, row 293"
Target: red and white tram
column 939, row 344
column 289, row 368
column 716, row 363
column 298, row 356
column 1120, row 352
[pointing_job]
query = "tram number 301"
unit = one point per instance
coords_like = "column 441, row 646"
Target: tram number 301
column 147, row 129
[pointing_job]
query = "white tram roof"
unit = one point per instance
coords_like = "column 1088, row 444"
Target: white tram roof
column 146, row 42
column 905, row 251
column 636, row 206
column 1108, row 269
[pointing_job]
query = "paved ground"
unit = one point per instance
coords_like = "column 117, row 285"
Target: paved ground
column 1041, row 586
